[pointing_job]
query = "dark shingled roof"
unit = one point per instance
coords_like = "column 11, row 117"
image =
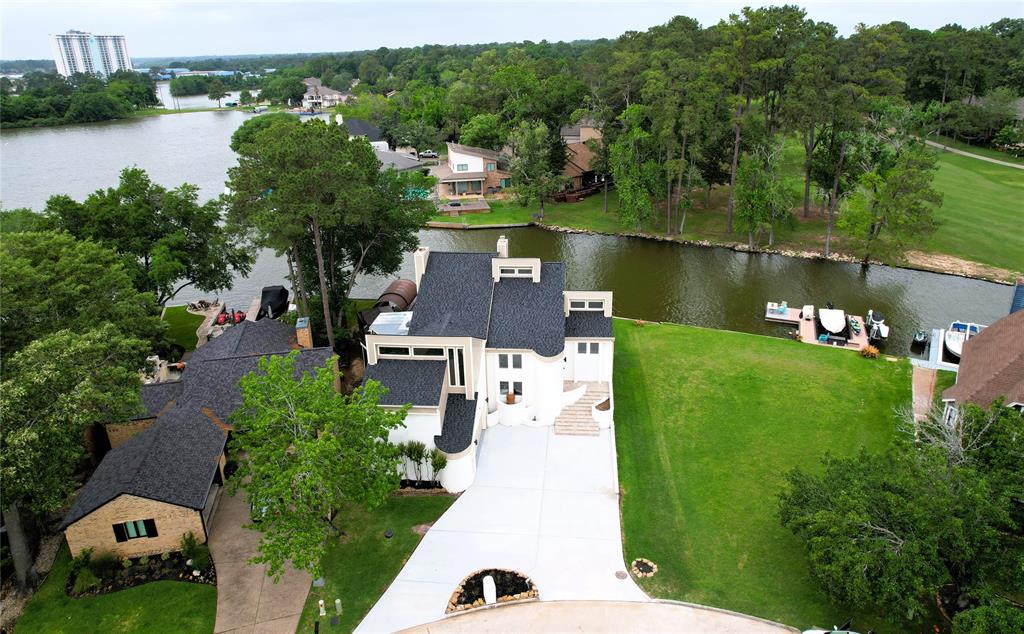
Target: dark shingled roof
column 156, row 396
column 454, row 298
column 409, row 381
column 992, row 365
column 588, row 323
column 527, row 314
column 173, row 461
column 359, row 127
column 266, row 336
column 457, row 428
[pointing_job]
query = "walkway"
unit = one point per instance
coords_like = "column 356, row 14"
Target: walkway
column 975, row 156
column 542, row 504
column 605, row 616
column 923, row 389
column 248, row 601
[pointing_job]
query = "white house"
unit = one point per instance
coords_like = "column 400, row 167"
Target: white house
column 485, row 326
column 472, row 170
column 318, row 96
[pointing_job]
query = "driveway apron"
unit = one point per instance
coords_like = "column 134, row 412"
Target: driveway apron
column 542, row 504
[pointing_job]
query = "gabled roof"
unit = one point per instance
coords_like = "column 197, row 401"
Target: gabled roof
column 172, row 461
column 454, row 297
column 359, row 127
column 992, row 365
column 409, row 381
column 528, row 315
column 588, row 323
column 265, row 336
column 473, row 151
column 156, row 396
column 397, row 160
column 457, row 426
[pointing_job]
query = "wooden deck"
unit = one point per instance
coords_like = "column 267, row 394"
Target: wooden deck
column 806, row 328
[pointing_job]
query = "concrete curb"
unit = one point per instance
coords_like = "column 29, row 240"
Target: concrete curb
column 709, row 608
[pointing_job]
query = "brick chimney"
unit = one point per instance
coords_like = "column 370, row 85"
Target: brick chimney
column 502, row 247
column 303, row 333
column 419, row 263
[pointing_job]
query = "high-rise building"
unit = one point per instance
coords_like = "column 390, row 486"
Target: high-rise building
column 81, row 52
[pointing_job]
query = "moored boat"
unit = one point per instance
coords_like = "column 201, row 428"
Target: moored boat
column 832, row 320
column 877, row 329
column 958, row 333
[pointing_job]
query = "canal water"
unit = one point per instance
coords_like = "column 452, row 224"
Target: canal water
column 656, row 281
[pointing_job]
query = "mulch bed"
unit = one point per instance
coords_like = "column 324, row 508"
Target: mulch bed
column 157, row 569
column 643, row 567
column 508, row 584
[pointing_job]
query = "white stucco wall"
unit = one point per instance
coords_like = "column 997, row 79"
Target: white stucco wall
column 475, row 163
column 542, row 385
column 589, row 367
column 421, row 426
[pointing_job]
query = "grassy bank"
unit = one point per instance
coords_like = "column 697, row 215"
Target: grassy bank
column 977, row 149
column 181, row 326
column 161, row 606
column 360, row 568
column 707, row 424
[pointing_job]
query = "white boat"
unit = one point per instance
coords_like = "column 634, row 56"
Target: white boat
column 957, row 335
column 832, row 319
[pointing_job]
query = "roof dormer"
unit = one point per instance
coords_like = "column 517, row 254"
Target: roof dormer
column 505, row 268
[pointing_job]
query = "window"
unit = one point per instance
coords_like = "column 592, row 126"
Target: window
column 524, row 271
column 577, row 305
column 462, row 167
column 504, row 182
column 490, row 167
column 506, row 270
column 581, row 347
column 510, row 271
column 517, row 361
column 393, row 350
column 503, row 387
column 595, row 348
column 456, row 368
column 598, row 305
column 502, row 361
column 428, row 352
column 517, row 387
column 134, row 530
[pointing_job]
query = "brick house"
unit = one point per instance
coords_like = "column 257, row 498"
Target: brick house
column 163, row 475
column 472, row 170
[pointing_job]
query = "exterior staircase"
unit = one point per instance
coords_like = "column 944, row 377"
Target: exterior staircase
column 576, row 419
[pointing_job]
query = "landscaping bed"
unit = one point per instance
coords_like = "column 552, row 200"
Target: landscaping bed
column 137, row 571
column 509, row 586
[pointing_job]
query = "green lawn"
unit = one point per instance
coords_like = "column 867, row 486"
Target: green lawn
column 162, row 606
column 982, row 212
column 975, row 149
column 944, row 380
column 360, row 569
column 707, row 424
column 181, row 326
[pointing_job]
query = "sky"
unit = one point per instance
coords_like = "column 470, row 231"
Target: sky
column 175, row 28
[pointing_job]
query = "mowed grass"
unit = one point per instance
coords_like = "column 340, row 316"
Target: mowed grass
column 360, row 568
column 181, row 326
column 161, row 606
column 708, row 423
column 982, row 212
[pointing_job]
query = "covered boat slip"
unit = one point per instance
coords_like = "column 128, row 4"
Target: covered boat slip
column 834, row 321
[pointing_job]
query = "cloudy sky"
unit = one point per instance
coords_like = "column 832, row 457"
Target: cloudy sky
column 175, row 28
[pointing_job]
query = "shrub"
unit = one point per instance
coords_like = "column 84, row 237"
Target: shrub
column 188, row 545
column 126, row 563
column 869, row 352
column 81, row 560
column 201, row 557
column 438, row 461
column 144, row 560
column 103, row 564
column 416, row 451
column 165, row 556
column 85, row 581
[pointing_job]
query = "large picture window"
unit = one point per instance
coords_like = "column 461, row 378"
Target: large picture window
column 135, row 529
column 456, row 368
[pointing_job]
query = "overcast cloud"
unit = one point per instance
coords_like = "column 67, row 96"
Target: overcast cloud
column 167, row 29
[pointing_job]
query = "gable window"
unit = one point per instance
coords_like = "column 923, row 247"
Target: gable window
column 513, row 271
column 393, row 351
column 581, row 347
column 595, row 348
column 524, row 271
column 134, row 530
column 577, row 305
column 517, row 361
column 503, row 361
column 462, row 167
column 598, row 305
column 490, row 167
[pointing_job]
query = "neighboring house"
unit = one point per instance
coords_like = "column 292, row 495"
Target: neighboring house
column 580, row 133
column 578, row 168
column 318, row 96
column 991, row 367
column 472, row 170
column 485, row 326
column 396, row 160
column 163, row 475
column 360, row 128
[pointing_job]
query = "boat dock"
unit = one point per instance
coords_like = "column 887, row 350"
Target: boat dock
column 936, row 360
column 806, row 330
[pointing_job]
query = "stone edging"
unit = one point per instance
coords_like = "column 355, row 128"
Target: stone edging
column 729, row 612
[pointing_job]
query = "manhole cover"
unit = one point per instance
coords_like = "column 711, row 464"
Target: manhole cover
column 620, row 574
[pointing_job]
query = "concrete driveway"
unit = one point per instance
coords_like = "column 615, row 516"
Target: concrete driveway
column 542, row 504
column 248, row 601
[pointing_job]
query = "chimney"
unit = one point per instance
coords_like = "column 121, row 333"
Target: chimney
column 303, row 333
column 419, row 263
column 502, row 247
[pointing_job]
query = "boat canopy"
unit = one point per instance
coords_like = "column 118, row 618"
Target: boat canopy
column 833, row 320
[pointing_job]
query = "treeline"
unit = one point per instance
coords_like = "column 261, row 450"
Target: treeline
column 27, row 65
column 44, row 99
column 200, row 84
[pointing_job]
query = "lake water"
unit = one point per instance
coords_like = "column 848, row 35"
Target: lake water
column 651, row 280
